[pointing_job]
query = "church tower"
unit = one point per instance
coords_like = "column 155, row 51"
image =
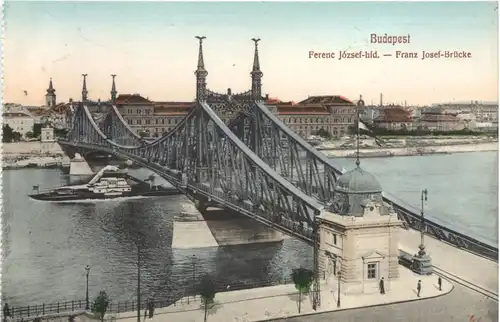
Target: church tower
column 50, row 97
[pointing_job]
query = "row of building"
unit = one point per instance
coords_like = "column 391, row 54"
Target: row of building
column 474, row 116
column 334, row 114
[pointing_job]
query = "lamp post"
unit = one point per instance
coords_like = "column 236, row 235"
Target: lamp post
column 338, row 289
column 87, row 272
column 423, row 197
column 422, row 262
column 193, row 262
column 138, row 283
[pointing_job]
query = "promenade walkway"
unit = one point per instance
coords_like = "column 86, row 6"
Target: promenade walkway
column 472, row 268
column 260, row 304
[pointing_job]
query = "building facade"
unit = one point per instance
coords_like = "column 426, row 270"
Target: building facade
column 334, row 114
column 359, row 236
column 441, row 122
column 394, row 118
column 19, row 121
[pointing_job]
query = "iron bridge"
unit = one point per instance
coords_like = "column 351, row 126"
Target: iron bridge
column 252, row 163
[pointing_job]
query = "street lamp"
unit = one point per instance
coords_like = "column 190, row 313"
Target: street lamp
column 423, row 197
column 422, row 262
column 338, row 289
column 193, row 259
column 87, row 271
column 138, row 282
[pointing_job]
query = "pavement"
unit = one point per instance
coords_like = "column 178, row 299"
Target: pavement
column 461, row 305
column 260, row 304
column 474, row 269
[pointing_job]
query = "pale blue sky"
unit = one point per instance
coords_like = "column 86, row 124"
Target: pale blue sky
column 151, row 47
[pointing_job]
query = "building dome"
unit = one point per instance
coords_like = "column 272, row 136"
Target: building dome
column 358, row 180
column 360, row 102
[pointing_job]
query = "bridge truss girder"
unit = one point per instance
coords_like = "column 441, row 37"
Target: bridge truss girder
column 285, row 152
column 204, row 158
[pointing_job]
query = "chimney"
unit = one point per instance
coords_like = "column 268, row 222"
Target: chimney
column 267, row 97
column 381, row 100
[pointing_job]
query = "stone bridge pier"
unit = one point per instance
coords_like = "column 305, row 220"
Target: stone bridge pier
column 203, row 224
column 78, row 165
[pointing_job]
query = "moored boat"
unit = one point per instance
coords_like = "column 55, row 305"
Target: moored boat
column 108, row 183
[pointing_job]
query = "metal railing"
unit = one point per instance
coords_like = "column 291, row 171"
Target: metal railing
column 412, row 220
column 45, row 309
column 180, row 299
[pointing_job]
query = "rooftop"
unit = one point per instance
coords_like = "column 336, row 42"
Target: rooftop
column 327, row 99
column 131, row 99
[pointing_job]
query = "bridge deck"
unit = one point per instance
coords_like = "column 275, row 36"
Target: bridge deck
column 477, row 270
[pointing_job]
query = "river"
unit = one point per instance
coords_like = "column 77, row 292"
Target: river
column 46, row 245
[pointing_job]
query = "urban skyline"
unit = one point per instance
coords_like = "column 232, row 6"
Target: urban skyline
column 386, row 101
column 157, row 59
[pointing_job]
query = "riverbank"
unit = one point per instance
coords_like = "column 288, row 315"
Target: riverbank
column 412, row 151
column 33, row 155
column 36, row 162
column 50, row 155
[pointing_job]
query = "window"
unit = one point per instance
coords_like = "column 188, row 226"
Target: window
column 334, row 239
column 372, row 270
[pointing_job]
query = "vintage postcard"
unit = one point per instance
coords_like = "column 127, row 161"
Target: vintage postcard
column 249, row 161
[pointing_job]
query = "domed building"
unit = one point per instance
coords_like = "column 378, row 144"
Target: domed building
column 360, row 102
column 354, row 191
column 359, row 235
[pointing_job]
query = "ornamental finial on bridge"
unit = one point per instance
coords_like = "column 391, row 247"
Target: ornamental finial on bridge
column 256, row 73
column 201, row 64
column 201, row 73
column 113, row 89
column 84, row 88
column 256, row 64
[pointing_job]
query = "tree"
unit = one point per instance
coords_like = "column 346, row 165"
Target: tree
column 29, row 135
column 7, row 133
column 37, row 130
column 16, row 136
column 100, row 304
column 323, row 133
column 207, row 292
column 142, row 134
column 303, row 279
column 60, row 132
